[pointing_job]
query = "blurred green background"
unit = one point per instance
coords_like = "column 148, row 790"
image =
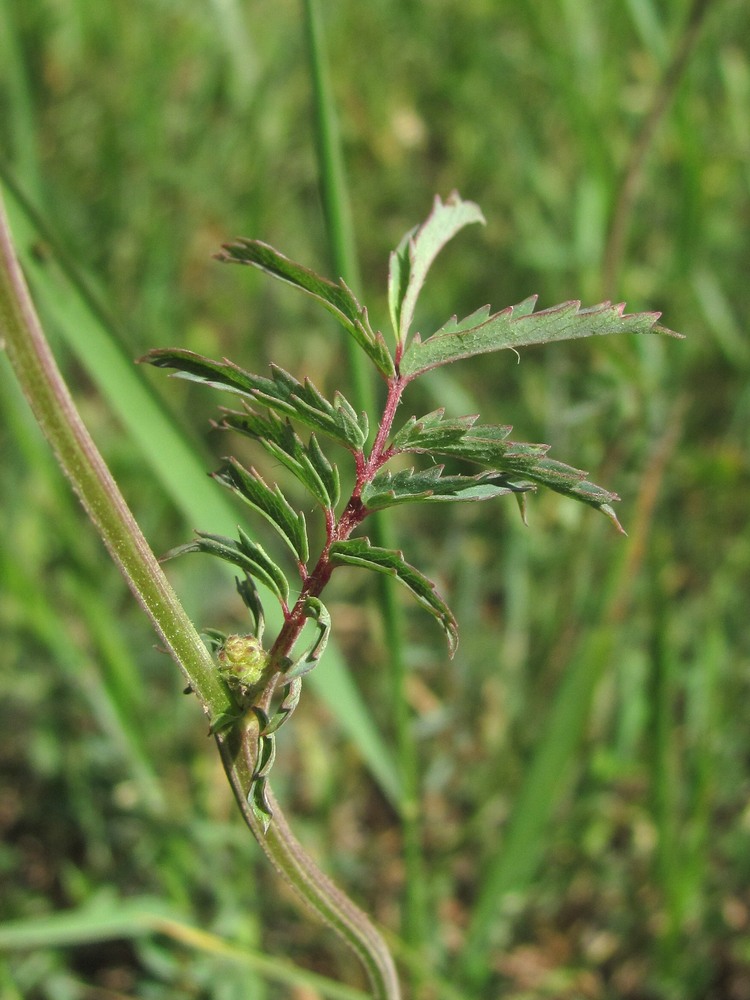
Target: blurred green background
column 584, row 759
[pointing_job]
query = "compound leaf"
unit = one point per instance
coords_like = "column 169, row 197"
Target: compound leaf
column 249, row 484
column 412, row 259
column 487, row 445
column 245, row 553
column 519, row 326
column 430, row 485
column 282, row 393
column 337, row 298
column 432, row 431
column 306, row 462
column 359, row 552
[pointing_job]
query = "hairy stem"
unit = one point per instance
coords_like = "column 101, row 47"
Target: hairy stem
column 53, row 407
column 238, row 751
column 55, row 411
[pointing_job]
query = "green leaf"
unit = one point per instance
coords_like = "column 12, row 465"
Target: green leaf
column 327, row 472
column 430, row 485
column 359, row 552
column 412, row 259
column 245, row 553
column 432, row 431
column 249, row 484
column 316, row 611
column 251, row 598
column 257, row 799
column 337, row 298
column 286, row 707
column 281, row 393
column 307, row 463
column 257, row 796
column 487, row 445
column 519, row 326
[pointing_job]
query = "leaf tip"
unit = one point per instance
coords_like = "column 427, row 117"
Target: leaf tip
column 609, row 512
column 522, row 507
column 454, row 199
column 665, row 331
column 452, row 642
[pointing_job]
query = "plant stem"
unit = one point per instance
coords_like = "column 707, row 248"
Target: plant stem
column 633, row 172
column 337, row 212
column 239, row 753
column 55, row 411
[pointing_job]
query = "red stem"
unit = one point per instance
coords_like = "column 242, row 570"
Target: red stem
column 352, row 515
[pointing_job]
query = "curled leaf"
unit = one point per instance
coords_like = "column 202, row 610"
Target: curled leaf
column 414, row 256
column 337, row 298
column 359, row 552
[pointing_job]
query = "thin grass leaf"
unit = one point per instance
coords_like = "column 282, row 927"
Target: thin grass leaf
column 359, row 552
column 509, row 866
column 110, row 918
column 338, row 299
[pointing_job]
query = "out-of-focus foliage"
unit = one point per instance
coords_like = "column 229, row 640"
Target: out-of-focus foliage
column 599, row 679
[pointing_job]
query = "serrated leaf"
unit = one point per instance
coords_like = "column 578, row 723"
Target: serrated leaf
column 487, row 445
column 337, row 298
column 433, row 431
column 282, row 393
column 412, row 259
column 327, row 472
column 359, row 552
column 519, row 326
column 337, row 419
column 249, row 484
column 246, row 554
column 307, row 463
column 431, row 486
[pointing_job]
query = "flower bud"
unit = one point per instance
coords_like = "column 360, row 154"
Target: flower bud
column 242, row 661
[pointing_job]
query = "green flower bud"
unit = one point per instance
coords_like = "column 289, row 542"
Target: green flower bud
column 242, row 661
